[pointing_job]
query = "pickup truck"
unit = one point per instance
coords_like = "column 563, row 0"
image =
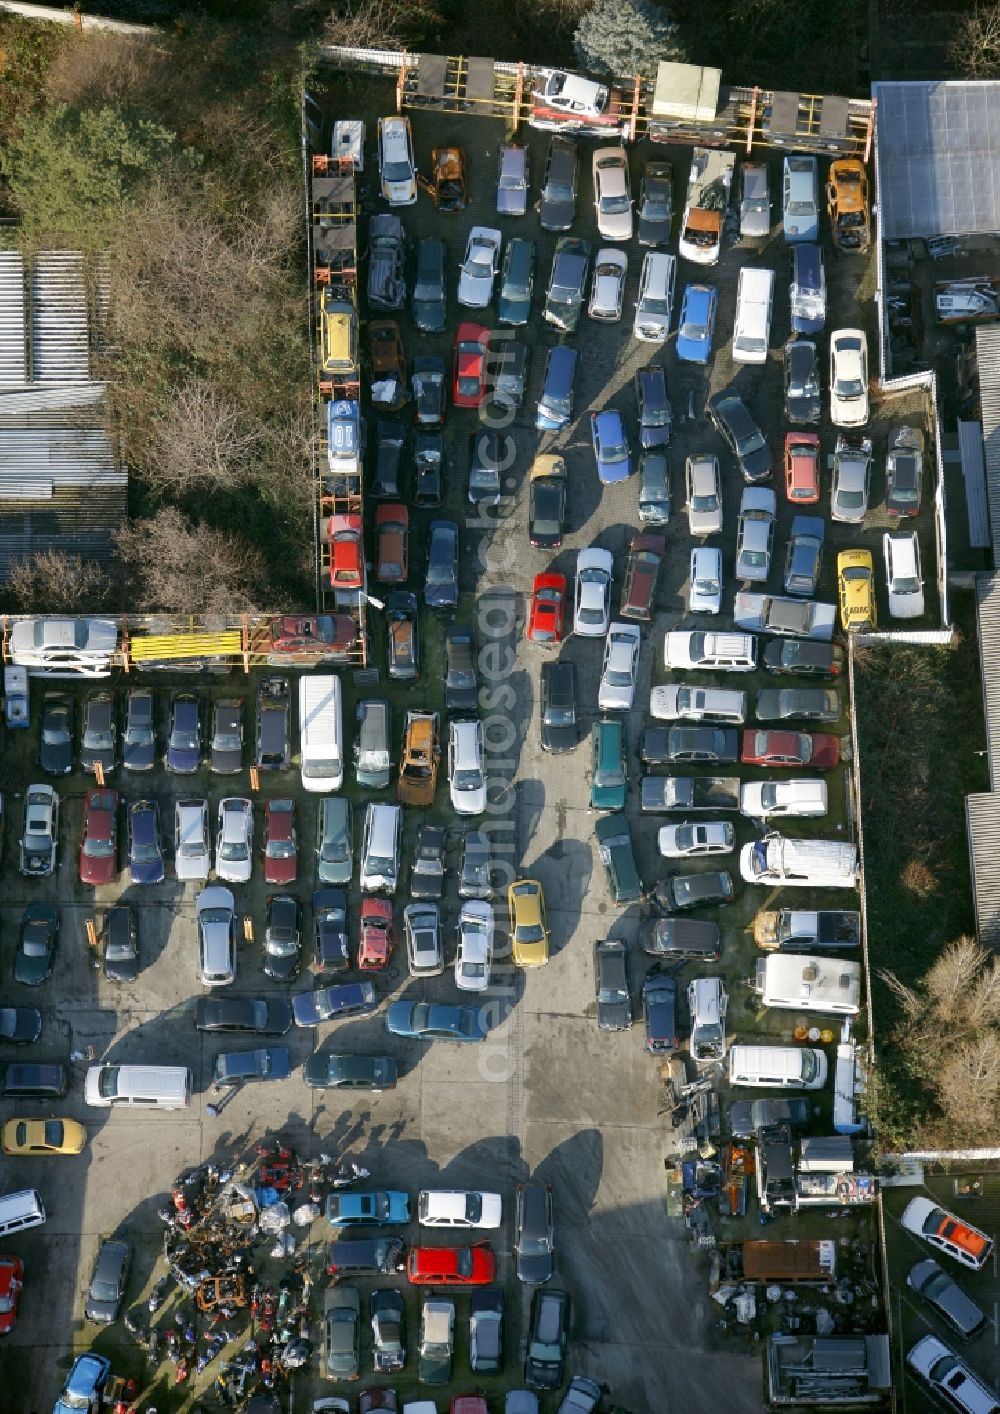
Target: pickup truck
column 802, row 618
column 664, row 793
column 793, row 930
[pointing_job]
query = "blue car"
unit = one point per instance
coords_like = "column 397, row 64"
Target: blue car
column 84, row 1387
column 441, row 580
column 694, row 338
column 383, row 1207
column 607, row 432
column 145, row 853
column 184, row 734
column 334, row 1003
column 436, row 1022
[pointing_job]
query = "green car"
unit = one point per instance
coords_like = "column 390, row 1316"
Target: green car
column 614, row 843
column 608, row 768
column 334, row 862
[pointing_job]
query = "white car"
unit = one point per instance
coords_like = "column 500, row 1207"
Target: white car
column 902, row 575
column 708, row 1003
column 474, row 960
column 705, row 584
column 621, row 668
column 467, row 767
column 761, row 799
column 848, row 378
column 592, row 604
column 608, row 288
column 458, row 1207
column 192, row 850
column 955, row 1384
column 707, row 651
column 234, row 840
column 480, row 264
column 704, row 494
column 958, row 1240
column 64, row 648
column 687, row 841
column 679, row 702
column 654, row 307
column 612, row 194
column 397, row 169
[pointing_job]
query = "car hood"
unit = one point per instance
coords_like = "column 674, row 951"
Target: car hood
column 31, row 970
column 511, row 202
column 183, row 758
column 148, row 872
column 282, row 969
column 556, row 214
column 559, row 738
column 57, row 760
column 513, row 309
column 141, row 757
column 227, row 761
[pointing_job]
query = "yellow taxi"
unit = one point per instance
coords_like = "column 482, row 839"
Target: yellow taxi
column 529, row 935
column 856, row 589
column 43, row 1136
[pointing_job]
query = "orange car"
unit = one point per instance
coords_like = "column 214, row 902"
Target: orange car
column 392, row 526
column 418, row 768
column 802, row 468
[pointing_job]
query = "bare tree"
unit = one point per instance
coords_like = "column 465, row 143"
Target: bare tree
column 52, row 582
column 952, row 974
column 380, row 24
column 202, row 441
column 180, row 567
column 974, row 48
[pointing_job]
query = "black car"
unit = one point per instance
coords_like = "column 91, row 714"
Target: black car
column 388, row 1317
column 259, row 1016
column 659, row 1013
column 557, row 204
column 681, row 939
column 238, row 1067
column 184, row 733
column 548, row 1334
column 430, row 287
column 401, row 620
column 427, row 875
column 475, row 872
column 20, row 1025
column 802, row 401
column 390, row 445
column 107, row 1285
column 441, row 581
column 139, row 737
column 655, row 208
column 679, row 891
column 567, row 283
column 614, row 1005
column 36, row 944
column 273, row 748
column 802, row 657
column 331, row 951
column 534, row 1234
column 121, row 944
column 558, row 707
column 744, row 438
column 662, row 746
column 547, row 503
column 654, row 406
column 282, row 938
column 654, row 488
column 326, row 1071
column 226, row 745
column 461, row 689
column 55, row 743
column 99, row 732
column 428, row 466
column 748, row 1117
column 429, row 384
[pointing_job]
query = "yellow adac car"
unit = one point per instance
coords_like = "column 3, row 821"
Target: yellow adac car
column 856, row 589
column 529, row 935
column 43, row 1136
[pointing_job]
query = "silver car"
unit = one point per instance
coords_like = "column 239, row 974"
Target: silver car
column 704, row 494
column 192, row 852
column 608, row 287
column 852, row 479
column 755, row 534
column 512, row 180
column 755, row 201
column 424, row 954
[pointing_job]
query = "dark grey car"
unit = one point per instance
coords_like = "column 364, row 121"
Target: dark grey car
column 226, row 749
column 659, row 1013
column 55, row 743
column 475, row 873
column 486, row 1331
column 804, row 556
column 567, row 283
column 461, row 688
column 441, row 580
column 558, row 707
column 427, row 875
column 802, row 398
column 654, row 488
column 259, row 1016
column 534, row 1233
column 548, row 1336
column 801, row 704
column 731, row 419
column 517, row 280
column 139, row 739
column 107, row 1285
column 748, row 1117
column 947, row 1298
column 656, row 204
column 614, row 1005
column 341, row 1333
column 121, row 944
column 99, row 732
column 557, row 206
column 430, row 298
column 273, row 751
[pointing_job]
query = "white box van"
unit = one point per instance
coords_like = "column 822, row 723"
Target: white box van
column 20, row 1210
column 154, row 1087
column 321, row 733
column 777, row 1067
column 809, row 982
column 752, row 328
column 817, row 864
column 380, row 848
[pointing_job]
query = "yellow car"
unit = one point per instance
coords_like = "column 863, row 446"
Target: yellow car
column 856, row 589
column 43, row 1136
column 529, row 935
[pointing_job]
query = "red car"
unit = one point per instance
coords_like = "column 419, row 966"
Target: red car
column 99, row 842
column 469, row 386
column 281, row 848
column 11, row 1280
column 642, row 568
column 819, row 749
column 452, row 1266
column 347, row 552
column 378, row 938
column 329, row 634
column 468, row 1404
column 548, row 608
column 392, row 527
column 802, row 468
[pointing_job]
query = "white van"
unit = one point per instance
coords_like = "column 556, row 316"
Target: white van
column 809, row 982
column 321, row 732
column 20, row 1210
column 677, row 702
column 752, row 329
column 848, row 1085
column 154, row 1087
column 817, row 864
column 778, row 1067
column 380, row 848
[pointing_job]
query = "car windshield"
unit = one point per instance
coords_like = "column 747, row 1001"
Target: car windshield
column 468, row 779
column 234, row 849
column 35, row 942
column 706, row 585
column 182, row 740
column 55, row 731
column 396, row 171
column 559, row 716
column 613, row 451
column 98, row 849
column 615, row 677
column 615, row 205
column 651, row 305
column 98, row 740
column 850, row 500
column 695, row 332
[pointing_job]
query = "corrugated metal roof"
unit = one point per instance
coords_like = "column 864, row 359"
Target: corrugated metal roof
column 988, row 624
column 60, row 335
column 988, row 363
column 13, row 364
column 982, row 815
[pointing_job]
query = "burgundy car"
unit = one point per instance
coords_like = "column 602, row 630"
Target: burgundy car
column 281, row 850
column 765, row 748
column 331, row 635
column 99, row 843
column 642, row 568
